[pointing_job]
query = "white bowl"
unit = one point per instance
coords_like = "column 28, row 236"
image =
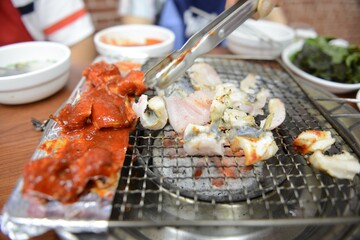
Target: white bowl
column 260, row 39
column 36, row 84
column 333, row 87
column 137, row 34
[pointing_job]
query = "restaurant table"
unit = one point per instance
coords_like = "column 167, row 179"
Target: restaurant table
column 18, row 138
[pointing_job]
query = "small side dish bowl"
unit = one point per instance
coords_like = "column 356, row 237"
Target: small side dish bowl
column 260, row 39
column 134, row 41
column 31, row 71
column 331, row 86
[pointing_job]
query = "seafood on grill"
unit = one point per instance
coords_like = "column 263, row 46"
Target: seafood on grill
column 343, row 165
column 210, row 114
column 316, row 142
column 277, row 114
column 227, row 95
column 202, row 140
column 255, row 148
column 248, row 83
column 191, row 109
column 236, row 119
column 313, row 140
column 152, row 113
column 232, row 122
column 203, row 76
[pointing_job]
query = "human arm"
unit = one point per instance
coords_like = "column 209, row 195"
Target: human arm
column 268, row 9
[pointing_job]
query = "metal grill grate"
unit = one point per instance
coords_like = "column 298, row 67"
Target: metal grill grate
column 161, row 186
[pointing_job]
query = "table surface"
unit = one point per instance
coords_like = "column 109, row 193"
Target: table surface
column 18, row 138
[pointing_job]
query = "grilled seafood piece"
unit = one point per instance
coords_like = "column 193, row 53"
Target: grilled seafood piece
column 192, row 109
column 248, row 83
column 101, row 73
column 313, row 140
column 227, row 95
column 105, row 104
column 98, row 108
column 203, row 76
column 152, row 113
column 131, row 84
column 277, row 114
column 343, row 166
column 234, row 118
column 202, row 140
column 255, row 149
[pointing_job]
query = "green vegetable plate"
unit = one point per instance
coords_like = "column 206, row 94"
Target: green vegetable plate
column 332, row 67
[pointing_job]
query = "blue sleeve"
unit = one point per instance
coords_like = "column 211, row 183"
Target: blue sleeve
column 172, row 15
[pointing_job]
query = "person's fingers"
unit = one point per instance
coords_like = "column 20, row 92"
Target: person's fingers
column 265, row 7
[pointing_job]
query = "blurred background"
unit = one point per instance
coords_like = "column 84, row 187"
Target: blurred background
column 337, row 18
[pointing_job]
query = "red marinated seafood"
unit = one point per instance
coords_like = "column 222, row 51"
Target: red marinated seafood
column 93, row 141
column 101, row 73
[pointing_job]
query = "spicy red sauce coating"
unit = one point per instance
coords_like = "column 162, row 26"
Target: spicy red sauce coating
column 93, row 141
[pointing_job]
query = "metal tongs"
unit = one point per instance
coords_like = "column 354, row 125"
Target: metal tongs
column 172, row 67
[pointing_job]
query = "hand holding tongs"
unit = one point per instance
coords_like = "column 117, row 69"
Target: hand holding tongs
column 172, row 67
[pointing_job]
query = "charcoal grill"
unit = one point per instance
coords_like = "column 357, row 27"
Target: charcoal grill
column 165, row 194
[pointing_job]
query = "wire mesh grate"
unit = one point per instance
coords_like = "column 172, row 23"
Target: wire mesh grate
column 161, row 185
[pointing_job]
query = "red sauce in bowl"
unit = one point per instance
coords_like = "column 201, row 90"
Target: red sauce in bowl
column 123, row 42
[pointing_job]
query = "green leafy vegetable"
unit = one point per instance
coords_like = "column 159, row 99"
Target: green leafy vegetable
column 331, row 62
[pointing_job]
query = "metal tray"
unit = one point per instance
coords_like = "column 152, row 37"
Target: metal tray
column 283, row 191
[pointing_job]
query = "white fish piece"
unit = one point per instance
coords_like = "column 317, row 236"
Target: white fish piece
column 203, row 76
column 255, row 149
column 200, row 140
column 240, row 100
column 259, row 104
column 140, row 106
column 227, row 95
column 234, row 118
column 343, row 166
column 182, row 87
column 277, row 115
column 248, row 83
column 218, row 104
column 152, row 113
column 183, row 110
column 313, row 140
column 245, row 131
column 217, row 110
column 224, row 89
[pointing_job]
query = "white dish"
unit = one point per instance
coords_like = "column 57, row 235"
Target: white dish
column 135, row 33
column 358, row 98
column 330, row 86
column 260, row 39
column 35, row 84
